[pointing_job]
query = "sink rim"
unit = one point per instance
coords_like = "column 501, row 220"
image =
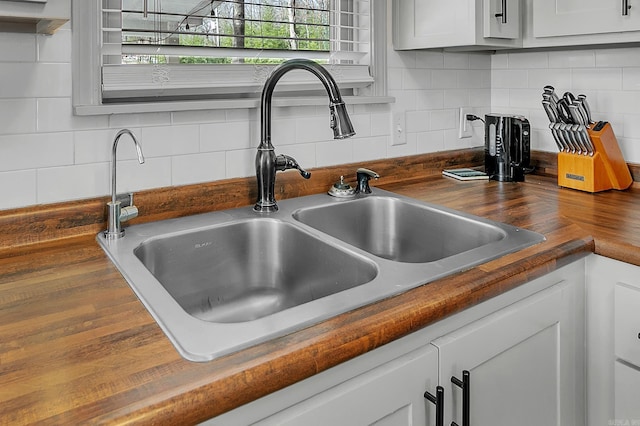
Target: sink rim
column 393, row 278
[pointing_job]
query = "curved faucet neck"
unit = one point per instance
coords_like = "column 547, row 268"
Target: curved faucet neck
column 114, row 150
column 267, row 92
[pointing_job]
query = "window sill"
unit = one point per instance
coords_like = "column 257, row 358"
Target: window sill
column 133, row 107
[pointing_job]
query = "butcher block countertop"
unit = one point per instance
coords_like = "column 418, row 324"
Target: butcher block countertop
column 77, row 347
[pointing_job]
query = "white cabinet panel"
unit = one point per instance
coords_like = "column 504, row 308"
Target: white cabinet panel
column 513, row 357
column 577, row 17
column 391, row 394
column 627, row 408
column 627, row 324
column 465, row 25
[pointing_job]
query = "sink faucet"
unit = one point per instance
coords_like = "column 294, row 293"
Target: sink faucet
column 363, row 176
column 267, row 163
column 120, row 210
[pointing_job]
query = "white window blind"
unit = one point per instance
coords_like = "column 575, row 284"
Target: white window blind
column 192, row 49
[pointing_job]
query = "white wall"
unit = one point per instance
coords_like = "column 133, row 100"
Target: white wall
column 609, row 77
column 49, row 155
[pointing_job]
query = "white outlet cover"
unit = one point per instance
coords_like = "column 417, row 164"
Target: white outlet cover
column 464, row 128
column 398, row 129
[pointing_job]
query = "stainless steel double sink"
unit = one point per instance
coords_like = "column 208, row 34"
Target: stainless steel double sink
column 223, row 281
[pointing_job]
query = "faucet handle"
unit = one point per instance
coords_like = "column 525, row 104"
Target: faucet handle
column 285, row 162
column 363, row 176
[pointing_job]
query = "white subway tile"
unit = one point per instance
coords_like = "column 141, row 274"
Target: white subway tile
column 429, row 99
column 30, row 80
column 58, row 184
column 480, row 61
column 429, row 60
column 417, row 121
column 394, row 79
column 381, row 124
column 458, row 61
column 405, row 100
column 444, row 119
column 18, row 189
column 474, row 79
column 170, row 140
column 427, row 142
column 500, row 61
column 525, row 98
column 401, row 59
column 313, row 129
column 444, row 79
column 197, row 168
column 572, row 59
column 413, row 79
column 56, row 47
column 95, row 146
column 17, row 116
column 509, row 79
column 600, row 78
column 304, row 154
column 409, row 148
column 154, row 173
column 17, row 47
column 528, row 60
column 480, row 97
column 630, row 149
column 631, row 126
column 454, row 98
column 225, row 136
column 240, row 163
column 608, row 102
column 32, row 151
column 334, row 152
column 623, row 57
column 499, row 98
column 56, row 115
column 560, row 79
column 362, row 125
column 283, row 132
column 631, row 79
column 369, row 148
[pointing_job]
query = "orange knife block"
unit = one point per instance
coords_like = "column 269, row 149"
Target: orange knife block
column 606, row 169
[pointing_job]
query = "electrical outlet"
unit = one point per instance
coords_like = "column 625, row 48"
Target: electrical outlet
column 398, row 132
column 464, row 129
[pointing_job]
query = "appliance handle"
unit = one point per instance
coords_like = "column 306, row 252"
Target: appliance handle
column 625, row 7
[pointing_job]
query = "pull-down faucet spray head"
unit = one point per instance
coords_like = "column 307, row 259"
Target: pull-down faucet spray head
column 340, row 121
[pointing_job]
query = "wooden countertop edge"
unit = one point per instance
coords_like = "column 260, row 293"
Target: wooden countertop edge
column 343, row 338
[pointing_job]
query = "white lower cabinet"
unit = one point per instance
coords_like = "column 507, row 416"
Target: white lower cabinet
column 523, row 364
column 524, row 351
column 613, row 342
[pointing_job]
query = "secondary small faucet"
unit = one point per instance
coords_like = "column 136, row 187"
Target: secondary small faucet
column 267, row 163
column 120, row 210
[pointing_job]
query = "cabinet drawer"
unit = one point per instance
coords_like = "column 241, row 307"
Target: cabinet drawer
column 627, row 323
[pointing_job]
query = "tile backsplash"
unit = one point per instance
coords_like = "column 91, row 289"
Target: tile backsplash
column 610, row 77
column 47, row 154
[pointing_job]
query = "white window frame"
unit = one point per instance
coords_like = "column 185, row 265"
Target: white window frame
column 87, row 71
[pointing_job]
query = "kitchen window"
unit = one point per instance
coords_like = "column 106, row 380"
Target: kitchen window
column 203, row 51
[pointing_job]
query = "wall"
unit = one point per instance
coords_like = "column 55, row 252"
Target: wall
column 609, row 77
column 49, row 155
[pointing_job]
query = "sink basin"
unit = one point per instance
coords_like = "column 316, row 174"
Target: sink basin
column 399, row 230
column 223, row 281
column 264, row 266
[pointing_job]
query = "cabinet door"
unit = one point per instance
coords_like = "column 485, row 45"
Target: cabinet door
column 627, row 388
column 576, row 17
column 516, row 359
column 388, row 395
column 435, row 23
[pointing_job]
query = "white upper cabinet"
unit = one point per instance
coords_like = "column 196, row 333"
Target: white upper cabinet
column 467, row 24
column 556, row 23
column 577, row 17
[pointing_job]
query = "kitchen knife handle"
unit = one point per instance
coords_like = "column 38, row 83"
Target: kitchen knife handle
column 465, row 385
column 625, row 7
column 438, row 401
column 503, row 14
